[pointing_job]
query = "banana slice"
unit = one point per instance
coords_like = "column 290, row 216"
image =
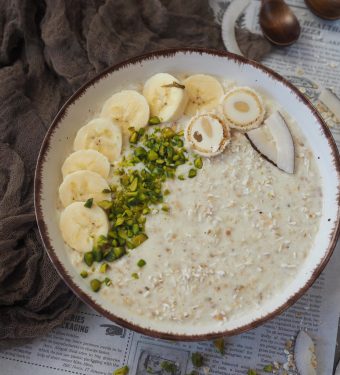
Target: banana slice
column 166, row 98
column 82, row 185
column 101, row 135
column 81, row 226
column 204, row 93
column 127, row 108
column 90, row 160
column 207, row 134
column 243, row 108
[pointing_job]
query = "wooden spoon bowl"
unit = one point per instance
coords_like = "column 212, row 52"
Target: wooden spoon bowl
column 328, row 9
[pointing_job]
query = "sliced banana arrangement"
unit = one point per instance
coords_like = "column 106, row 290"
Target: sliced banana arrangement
column 204, row 93
column 127, row 108
column 90, row 160
column 166, row 96
column 81, row 226
column 210, row 117
column 102, row 135
column 243, row 108
column 83, row 185
column 207, row 134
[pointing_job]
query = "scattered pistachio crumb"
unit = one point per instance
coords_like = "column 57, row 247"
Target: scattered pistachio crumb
column 141, row 263
column 84, row 274
column 192, row 173
column 89, row 203
column 134, row 275
column 219, row 345
column 95, row 285
column 121, row 371
column 252, row 372
column 103, row 267
column 197, row 359
column 154, row 120
column 268, row 368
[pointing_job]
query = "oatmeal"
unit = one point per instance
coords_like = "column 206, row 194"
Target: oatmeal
column 229, row 235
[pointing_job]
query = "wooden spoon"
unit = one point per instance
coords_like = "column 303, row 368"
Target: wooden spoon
column 328, row 9
column 279, row 24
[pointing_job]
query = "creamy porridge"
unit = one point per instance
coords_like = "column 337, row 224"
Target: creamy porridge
column 222, row 239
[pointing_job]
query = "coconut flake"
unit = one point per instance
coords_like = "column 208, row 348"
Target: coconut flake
column 283, row 156
column 331, row 101
column 304, row 353
column 234, row 10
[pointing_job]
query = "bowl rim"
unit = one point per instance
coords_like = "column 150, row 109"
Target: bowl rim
column 109, row 314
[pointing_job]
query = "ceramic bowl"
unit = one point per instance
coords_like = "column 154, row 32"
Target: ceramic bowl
column 86, row 102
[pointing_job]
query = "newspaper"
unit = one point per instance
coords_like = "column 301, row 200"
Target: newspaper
column 88, row 343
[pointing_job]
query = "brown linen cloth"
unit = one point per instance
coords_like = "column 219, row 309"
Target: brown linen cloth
column 47, row 50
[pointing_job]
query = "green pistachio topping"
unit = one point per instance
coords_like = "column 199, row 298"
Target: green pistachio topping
column 121, row 371
column 154, row 156
column 95, row 285
column 154, row 120
column 88, row 258
column 141, row 263
column 268, row 368
column 219, row 345
column 84, row 274
column 89, row 203
column 192, row 173
column 197, row 359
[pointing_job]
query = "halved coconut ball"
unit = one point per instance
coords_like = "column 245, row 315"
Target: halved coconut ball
column 207, row 134
column 243, row 108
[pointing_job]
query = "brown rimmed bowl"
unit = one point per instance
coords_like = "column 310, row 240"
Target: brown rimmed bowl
column 86, row 102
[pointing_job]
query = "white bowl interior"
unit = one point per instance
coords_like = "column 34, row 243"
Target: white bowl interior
column 89, row 103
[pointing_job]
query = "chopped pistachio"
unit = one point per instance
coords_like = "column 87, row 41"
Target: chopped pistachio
column 84, row 274
column 154, row 120
column 268, row 368
column 95, row 285
column 219, row 345
column 135, row 228
column 103, row 267
column 89, row 203
column 88, row 258
column 166, row 192
column 165, row 208
column 118, row 251
column 152, row 155
column 141, row 263
column 110, row 256
column 181, row 177
column 121, row 371
column 120, row 220
column 252, row 372
column 106, row 191
column 134, row 275
column 97, row 254
column 167, row 132
column 198, row 163
column 139, row 239
column 197, row 359
column 192, row 173
column 133, row 137
column 107, row 281
column 106, row 205
column 134, row 184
